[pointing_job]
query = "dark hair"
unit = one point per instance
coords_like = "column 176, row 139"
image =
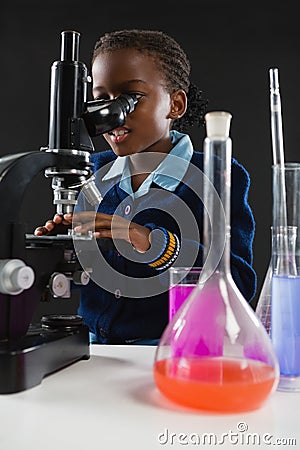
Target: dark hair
column 171, row 60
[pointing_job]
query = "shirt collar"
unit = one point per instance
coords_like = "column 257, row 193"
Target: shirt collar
column 168, row 174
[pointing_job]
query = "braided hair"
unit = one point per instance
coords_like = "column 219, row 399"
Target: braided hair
column 170, row 59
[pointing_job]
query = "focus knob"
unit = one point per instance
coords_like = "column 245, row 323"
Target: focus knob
column 81, row 278
column 59, row 285
column 15, row 276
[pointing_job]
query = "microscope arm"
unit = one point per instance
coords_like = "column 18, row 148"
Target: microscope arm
column 16, row 174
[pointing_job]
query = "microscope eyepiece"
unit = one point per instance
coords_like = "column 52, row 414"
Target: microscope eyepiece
column 70, row 46
column 128, row 101
column 102, row 116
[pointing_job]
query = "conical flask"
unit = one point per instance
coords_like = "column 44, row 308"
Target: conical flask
column 283, row 263
column 263, row 307
column 215, row 354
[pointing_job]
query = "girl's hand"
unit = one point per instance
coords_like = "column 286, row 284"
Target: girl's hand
column 58, row 225
column 111, row 226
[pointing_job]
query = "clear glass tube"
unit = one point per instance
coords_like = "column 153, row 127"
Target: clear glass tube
column 276, row 118
column 215, row 354
column 291, row 174
column 285, row 287
column 280, row 215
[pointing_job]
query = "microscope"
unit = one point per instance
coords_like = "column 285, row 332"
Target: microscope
column 33, row 268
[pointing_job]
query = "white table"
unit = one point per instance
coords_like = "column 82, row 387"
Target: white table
column 111, row 402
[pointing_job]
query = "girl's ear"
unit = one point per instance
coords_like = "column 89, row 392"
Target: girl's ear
column 178, row 105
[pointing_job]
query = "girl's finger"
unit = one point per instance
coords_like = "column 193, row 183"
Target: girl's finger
column 84, row 228
column 49, row 225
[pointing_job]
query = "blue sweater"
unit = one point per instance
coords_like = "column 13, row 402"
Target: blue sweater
column 128, row 299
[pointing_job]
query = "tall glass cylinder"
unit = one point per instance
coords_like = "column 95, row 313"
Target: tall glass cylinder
column 215, row 354
column 285, row 283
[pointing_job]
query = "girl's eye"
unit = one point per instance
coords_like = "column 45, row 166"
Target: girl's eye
column 106, row 97
column 136, row 93
column 101, row 97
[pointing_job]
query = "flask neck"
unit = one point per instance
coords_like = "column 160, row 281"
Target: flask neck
column 217, row 191
column 284, row 250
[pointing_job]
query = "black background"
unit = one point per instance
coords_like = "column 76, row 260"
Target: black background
column 231, row 45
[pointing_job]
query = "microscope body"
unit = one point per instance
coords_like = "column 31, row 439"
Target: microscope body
column 32, row 267
column 67, row 161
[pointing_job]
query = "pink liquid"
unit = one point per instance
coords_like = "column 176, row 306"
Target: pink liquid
column 204, row 325
column 177, row 296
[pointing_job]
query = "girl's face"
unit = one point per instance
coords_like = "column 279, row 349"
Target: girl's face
column 147, row 127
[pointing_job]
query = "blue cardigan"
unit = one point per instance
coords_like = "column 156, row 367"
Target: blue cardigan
column 119, row 307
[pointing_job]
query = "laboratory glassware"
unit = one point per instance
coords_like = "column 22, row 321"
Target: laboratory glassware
column 215, row 354
column 182, row 281
column 279, row 218
column 284, row 302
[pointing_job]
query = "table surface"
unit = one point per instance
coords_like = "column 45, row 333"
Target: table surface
column 111, row 402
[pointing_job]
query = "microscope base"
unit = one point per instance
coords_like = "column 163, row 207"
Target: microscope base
column 26, row 361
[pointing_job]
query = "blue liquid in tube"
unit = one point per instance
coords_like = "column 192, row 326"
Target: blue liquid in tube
column 285, row 323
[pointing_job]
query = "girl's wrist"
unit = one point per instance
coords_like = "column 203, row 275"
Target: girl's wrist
column 140, row 238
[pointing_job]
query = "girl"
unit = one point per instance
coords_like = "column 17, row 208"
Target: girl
column 150, row 182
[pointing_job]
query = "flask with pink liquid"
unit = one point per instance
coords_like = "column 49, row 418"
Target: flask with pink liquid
column 215, row 354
